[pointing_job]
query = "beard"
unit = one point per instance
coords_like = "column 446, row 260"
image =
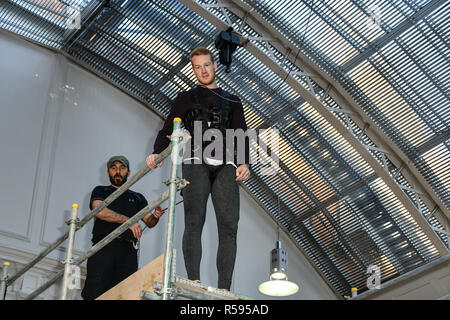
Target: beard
column 118, row 180
column 203, row 83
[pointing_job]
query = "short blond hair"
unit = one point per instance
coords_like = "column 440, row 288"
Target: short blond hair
column 200, row 51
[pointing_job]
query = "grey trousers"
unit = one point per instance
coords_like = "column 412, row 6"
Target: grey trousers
column 220, row 182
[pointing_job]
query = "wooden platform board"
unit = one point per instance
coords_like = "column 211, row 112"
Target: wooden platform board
column 143, row 279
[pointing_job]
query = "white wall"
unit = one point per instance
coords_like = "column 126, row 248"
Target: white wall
column 58, row 126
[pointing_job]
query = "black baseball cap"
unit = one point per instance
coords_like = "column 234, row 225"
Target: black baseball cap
column 122, row 159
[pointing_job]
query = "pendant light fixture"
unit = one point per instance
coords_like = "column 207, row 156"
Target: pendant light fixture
column 278, row 284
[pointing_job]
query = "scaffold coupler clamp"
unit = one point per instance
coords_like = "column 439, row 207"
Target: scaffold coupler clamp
column 5, row 275
column 182, row 134
column 159, row 290
column 65, row 261
column 76, row 221
column 181, row 183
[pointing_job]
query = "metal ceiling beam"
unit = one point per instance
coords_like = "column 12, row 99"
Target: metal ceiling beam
column 381, row 41
column 88, row 17
column 342, row 239
column 281, row 44
column 386, row 152
column 408, row 52
column 327, row 261
column 340, row 236
column 408, row 151
column 407, row 148
column 48, row 34
column 90, row 68
column 336, row 198
column 134, row 56
column 339, row 95
column 173, row 70
column 48, row 11
column 347, row 104
column 432, row 142
column 118, row 74
column 401, row 45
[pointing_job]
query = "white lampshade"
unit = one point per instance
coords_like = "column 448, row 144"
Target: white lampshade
column 278, row 275
column 278, row 285
column 278, row 288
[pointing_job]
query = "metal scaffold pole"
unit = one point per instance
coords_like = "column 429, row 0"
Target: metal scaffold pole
column 174, row 183
column 3, row 280
column 68, row 263
column 176, row 138
column 118, row 231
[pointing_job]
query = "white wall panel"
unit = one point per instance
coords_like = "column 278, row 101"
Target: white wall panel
column 24, row 84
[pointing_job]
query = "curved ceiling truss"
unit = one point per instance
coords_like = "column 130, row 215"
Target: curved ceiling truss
column 315, row 86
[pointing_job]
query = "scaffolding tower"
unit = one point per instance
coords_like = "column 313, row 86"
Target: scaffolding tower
column 171, row 286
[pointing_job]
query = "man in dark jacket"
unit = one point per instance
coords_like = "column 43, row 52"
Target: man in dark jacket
column 216, row 173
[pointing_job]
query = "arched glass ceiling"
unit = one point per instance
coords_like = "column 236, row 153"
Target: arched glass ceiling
column 391, row 57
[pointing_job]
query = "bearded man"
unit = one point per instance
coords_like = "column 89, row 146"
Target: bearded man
column 118, row 259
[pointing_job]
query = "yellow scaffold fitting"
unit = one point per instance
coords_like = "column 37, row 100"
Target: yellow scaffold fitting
column 177, row 119
column 74, row 205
